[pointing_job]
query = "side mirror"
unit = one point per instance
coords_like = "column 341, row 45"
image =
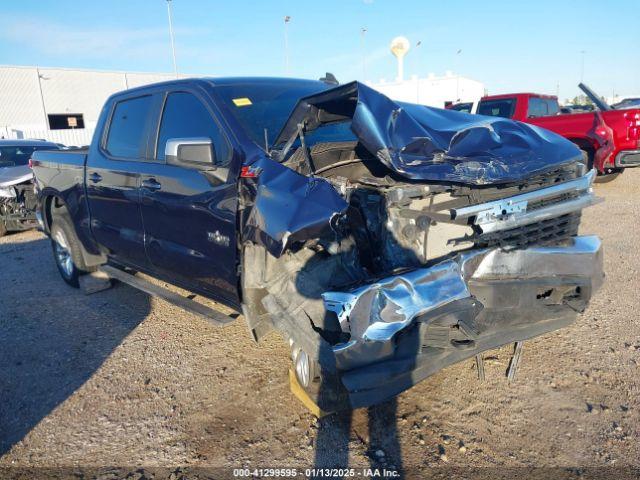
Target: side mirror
column 196, row 151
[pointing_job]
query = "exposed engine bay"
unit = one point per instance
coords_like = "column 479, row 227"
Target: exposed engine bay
column 384, row 278
column 17, row 207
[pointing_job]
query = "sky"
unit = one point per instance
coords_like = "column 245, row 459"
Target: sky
column 510, row 46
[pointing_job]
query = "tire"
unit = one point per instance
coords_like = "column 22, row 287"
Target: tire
column 587, row 158
column 306, row 369
column 607, row 177
column 66, row 248
column 325, row 390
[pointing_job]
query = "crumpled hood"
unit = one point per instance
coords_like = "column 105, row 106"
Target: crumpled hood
column 14, row 175
column 431, row 144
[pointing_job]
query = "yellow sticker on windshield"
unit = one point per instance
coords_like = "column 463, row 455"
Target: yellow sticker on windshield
column 242, row 102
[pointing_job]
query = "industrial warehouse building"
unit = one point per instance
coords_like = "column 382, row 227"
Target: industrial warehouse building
column 63, row 105
column 432, row 90
column 60, row 104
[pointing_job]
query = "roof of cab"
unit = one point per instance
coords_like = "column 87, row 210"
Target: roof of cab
column 11, row 142
column 516, row 95
column 224, row 81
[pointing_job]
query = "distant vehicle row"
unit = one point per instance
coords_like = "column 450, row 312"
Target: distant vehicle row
column 608, row 137
column 17, row 198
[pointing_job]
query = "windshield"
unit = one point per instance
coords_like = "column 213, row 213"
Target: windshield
column 264, row 105
column 12, row 156
column 497, row 108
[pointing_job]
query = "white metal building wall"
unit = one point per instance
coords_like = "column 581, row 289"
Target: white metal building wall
column 28, row 94
column 70, row 91
column 20, row 102
column 432, row 90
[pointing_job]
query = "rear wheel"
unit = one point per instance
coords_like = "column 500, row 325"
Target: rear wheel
column 607, row 177
column 66, row 249
column 587, row 158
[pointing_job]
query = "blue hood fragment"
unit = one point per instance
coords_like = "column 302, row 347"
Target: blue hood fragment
column 289, row 207
column 431, row 144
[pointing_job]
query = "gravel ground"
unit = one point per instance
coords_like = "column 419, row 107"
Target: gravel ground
column 120, row 379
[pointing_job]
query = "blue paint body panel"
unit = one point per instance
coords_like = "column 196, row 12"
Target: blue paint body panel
column 188, row 231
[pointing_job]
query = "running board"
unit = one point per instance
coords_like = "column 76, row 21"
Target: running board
column 214, row 317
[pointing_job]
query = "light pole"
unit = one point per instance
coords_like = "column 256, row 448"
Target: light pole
column 44, row 108
column 287, row 19
column 582, row 52
column 418, row 43
column 173, row 47
column 457, row 76
column 363, row 31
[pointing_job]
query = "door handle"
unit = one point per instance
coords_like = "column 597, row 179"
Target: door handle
column 95, row 177
column 151, row 184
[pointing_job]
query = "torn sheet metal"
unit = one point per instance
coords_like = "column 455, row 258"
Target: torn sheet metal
column 376, row 312
column 15, row 175
column 511, row 212
column 425, row 143
column 290, row 207
column 583, row 258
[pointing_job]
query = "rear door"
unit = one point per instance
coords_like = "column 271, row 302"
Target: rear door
column 188, row 210
column 113, row 178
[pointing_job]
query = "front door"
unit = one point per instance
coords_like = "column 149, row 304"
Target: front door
column 188, row 210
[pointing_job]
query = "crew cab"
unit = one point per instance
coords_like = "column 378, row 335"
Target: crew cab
column 608, row 138
column 382, row 240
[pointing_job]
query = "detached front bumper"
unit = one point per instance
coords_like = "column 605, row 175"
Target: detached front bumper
column 406, row 327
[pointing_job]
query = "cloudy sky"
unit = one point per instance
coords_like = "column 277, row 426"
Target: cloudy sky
column 513, row 45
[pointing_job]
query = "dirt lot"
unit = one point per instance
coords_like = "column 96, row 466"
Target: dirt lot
column 120, row 379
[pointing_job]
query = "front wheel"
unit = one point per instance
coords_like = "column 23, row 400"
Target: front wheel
column 66, row 251
column 324, row 389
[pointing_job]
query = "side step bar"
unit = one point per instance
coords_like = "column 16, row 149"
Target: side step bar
column 214, row 317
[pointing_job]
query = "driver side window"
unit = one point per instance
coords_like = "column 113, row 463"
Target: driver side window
column 185, row 116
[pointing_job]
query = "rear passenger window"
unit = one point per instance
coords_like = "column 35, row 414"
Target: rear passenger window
column 185, row 116
column 127, row 132
column 497, row 108
column 542, row 107
column 552, row 107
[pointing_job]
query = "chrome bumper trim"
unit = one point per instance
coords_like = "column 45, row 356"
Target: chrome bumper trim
column 619, row 161
column 513, row 211
column 375, row 313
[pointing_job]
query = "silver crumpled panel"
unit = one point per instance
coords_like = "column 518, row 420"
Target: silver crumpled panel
column 376, row 312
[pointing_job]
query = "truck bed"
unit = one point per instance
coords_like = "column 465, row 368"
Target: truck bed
column 50, row 158
column 62, row 169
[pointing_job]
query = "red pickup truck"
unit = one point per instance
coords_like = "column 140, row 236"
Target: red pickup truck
column 608, row 138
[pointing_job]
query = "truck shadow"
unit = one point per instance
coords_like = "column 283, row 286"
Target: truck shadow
column 376, row 428
column 52, row 337
column 378, row 432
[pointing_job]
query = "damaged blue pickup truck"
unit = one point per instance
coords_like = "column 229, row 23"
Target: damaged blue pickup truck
column 382, row 240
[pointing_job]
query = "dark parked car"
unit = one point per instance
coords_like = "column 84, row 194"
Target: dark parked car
column 17, row 198
column 627, row 103
column 384, row 241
